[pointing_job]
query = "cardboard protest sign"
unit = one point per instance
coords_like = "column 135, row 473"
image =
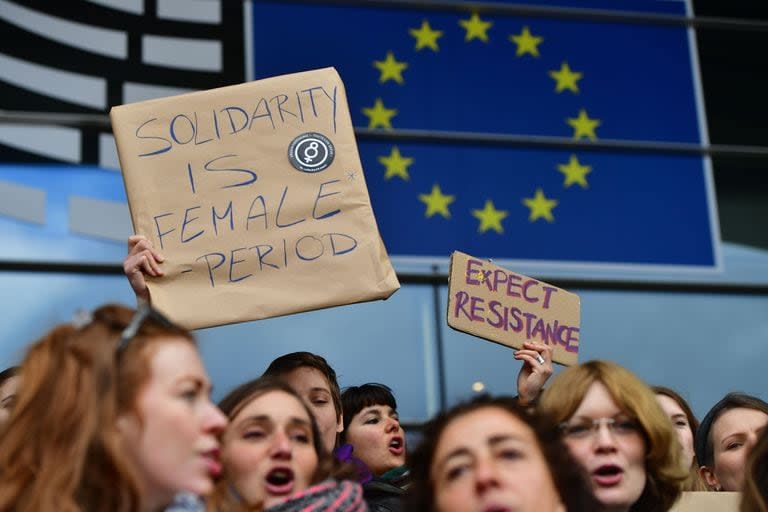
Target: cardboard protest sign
column 708, row 502
column 493, row 303
column 255, row 195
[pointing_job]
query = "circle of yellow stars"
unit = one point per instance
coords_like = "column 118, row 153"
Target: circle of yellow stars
column 527, row 45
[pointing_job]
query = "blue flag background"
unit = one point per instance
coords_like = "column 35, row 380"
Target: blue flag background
column 503, row 74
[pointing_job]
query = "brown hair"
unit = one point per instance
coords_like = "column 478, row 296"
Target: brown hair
column 665, row 474
column 8, row 373
column 61, row 449
column 223, row 498
column 567, row 476
column 704, row 444
column 287, row 363
column 694, row 481
column 754, row 497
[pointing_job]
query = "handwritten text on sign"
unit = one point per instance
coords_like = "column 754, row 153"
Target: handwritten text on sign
column 251, row 211
column 493, row 303
column 256, row 196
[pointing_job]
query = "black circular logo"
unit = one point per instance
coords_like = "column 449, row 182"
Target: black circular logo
column 311, row 152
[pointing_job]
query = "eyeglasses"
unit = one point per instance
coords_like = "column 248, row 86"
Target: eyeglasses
column 586, row 428
column 143, row 312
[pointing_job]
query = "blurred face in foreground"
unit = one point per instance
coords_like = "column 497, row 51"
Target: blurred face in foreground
column 489, row 460
column 173, row 432
column 269, row 452
column 610, row 447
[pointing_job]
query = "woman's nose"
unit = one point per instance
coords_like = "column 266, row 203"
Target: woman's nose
column 281, row 446
column 393, row 425
column 485, row 476
column 215, row 421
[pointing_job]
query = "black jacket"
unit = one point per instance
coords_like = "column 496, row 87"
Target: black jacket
column 382, row 496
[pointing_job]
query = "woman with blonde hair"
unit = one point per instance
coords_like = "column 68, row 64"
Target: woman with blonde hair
column 613, row 425
column 112, row 415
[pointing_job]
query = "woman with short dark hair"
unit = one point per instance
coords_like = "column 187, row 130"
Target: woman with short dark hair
column 372, row 429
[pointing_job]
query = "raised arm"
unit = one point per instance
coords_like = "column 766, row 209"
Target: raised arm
column 142, row 259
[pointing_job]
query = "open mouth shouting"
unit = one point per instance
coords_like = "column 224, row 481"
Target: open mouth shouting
column 280, row 481
column 397, row 446
column 607, row 475
column 212, row 462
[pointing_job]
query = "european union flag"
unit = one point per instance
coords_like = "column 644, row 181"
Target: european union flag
column 471, row 72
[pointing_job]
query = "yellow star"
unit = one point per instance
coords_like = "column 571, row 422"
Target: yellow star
column 526, row 43
column 396, row 164
column 391, row 69
column 540, row 206
column 476, row 28
column 437, row 202
column 425, row 36
column 379, row 115
column 575, row 172
column 566, row 78
column 490, row 217
column 584, row 126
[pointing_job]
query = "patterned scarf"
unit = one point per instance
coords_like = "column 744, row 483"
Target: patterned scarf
column 327, row 496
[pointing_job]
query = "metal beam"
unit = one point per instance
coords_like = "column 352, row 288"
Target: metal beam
column 433, row 278
column 448, row 137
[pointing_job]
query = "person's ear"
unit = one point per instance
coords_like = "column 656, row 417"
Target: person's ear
column 340, row 424
column 127, row 424
column 710, row 478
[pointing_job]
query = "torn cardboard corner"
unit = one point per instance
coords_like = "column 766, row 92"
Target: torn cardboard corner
column 256, row 196
column 496, row 304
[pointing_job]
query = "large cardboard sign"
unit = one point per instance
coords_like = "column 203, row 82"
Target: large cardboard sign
column 708, row 502
column 494, row 303
column 255, row 195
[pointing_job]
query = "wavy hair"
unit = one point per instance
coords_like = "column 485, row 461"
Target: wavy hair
column 665, row 473
column 61, row 449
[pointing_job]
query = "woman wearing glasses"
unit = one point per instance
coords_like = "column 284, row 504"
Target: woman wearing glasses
column 613, row 425
column 112, row 415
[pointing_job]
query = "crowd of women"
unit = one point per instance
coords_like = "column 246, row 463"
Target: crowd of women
column 112, row 413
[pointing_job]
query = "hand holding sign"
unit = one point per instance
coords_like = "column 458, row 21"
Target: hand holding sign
column 493, row 303
column 142, row 259
column 536, row 370
column 256, row 197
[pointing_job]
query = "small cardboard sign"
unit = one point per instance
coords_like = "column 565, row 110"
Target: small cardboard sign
column 508, row 308
column 708, row 502
column 255, row 195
